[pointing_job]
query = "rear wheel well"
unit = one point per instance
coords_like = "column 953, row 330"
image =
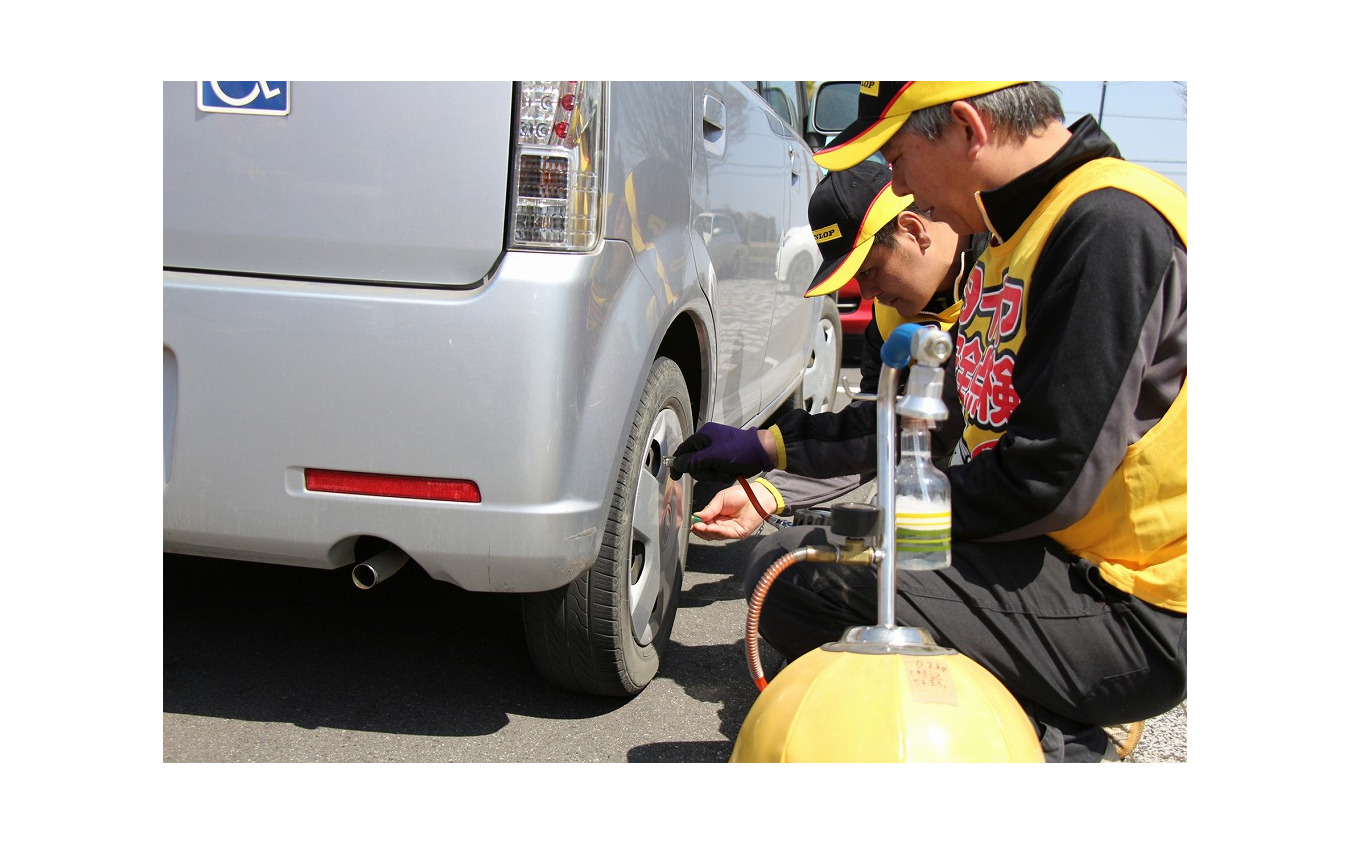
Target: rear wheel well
column 684, row 345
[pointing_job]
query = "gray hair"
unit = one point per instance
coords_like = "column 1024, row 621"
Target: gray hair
column 1022, row 109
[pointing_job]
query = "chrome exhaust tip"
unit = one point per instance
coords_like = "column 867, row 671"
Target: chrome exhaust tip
column 379, row 568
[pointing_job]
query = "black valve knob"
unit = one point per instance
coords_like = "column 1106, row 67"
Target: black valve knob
column 854, row 519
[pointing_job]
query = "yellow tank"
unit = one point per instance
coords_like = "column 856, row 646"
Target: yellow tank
column 834, row 705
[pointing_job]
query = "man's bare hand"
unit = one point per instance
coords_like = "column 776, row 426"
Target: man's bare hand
column 730, row 515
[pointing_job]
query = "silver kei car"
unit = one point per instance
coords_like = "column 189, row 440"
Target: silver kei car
column 461, row 324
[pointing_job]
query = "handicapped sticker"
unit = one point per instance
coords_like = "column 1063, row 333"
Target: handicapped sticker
column 245, row 97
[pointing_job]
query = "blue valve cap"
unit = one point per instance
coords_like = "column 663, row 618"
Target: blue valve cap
column 895, row 351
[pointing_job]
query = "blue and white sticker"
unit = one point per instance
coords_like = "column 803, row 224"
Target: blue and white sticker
column 245, row 97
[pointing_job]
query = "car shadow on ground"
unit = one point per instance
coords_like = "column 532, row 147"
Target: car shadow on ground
column 702, row 672
column 267, row 643
column 710, row 673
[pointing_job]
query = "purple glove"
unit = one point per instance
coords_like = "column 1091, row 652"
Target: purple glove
column 720, row 454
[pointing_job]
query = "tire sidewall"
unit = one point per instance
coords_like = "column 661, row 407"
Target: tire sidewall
column 665, row 389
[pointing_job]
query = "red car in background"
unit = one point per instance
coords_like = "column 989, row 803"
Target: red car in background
column 855, row 313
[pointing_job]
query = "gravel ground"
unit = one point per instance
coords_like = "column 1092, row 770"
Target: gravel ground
column 1164, row 738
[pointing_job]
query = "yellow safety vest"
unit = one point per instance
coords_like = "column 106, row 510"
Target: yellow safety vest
column 889, row 319
column 1136, row 530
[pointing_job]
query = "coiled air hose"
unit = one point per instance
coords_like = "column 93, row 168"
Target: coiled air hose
column 853, row 521
column 757, row 605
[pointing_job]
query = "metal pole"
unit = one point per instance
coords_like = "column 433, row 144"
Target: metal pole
column 1101, row 107
column 887, row 390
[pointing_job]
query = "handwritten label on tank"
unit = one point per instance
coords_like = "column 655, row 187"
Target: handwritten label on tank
column 930, row 680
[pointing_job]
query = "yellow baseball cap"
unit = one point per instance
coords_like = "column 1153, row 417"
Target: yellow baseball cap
column 847, row 209
column 883, row 107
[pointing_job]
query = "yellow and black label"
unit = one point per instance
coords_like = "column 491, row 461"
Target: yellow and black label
column 871, row 89
column 830, row 232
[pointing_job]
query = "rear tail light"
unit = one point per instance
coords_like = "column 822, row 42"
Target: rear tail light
column 555, row 203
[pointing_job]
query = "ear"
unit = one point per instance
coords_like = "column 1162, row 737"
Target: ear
column 916, row 226
column 974, row 131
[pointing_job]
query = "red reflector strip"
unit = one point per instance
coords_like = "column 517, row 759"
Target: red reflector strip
column 392, row 486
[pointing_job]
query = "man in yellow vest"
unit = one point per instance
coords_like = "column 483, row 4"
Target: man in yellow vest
column 913, row 268
column 1068, row 576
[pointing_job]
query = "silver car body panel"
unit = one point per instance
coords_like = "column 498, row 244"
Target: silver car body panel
column 337, row 296
column 391, row 200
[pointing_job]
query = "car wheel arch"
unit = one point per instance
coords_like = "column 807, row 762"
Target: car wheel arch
column 688, row 344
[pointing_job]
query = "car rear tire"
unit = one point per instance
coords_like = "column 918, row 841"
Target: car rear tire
column 604, row 633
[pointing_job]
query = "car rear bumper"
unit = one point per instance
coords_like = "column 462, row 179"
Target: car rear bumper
column 265, row 378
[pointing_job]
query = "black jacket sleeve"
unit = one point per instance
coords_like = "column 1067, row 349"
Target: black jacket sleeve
column 826, row 445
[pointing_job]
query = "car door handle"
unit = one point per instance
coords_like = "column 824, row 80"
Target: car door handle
column 714, row 124
column 795, row 165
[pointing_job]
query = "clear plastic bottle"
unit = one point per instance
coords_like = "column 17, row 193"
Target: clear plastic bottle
column 923, row 503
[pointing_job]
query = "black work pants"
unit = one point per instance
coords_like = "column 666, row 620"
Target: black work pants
column 1074, row 650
